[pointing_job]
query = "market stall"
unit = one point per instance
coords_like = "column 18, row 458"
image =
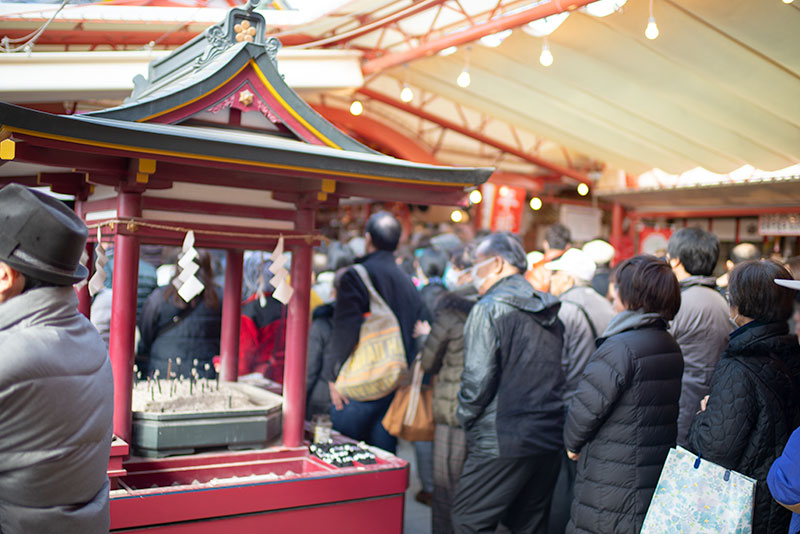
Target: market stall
column 216, row 144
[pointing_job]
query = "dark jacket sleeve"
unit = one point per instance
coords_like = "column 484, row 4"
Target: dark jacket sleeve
column 352, row 302
column 721, row 432
column 436, row 344
column 481, row 372
column 316, row 348
column 148, row 322
column 604, row 380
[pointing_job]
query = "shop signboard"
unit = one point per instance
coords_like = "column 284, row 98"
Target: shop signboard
column 507, row 206
column 779, row 224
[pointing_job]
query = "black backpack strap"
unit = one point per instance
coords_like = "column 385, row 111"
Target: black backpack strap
column 588, row 319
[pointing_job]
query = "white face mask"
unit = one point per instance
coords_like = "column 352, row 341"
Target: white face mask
column 451, row 278
column 478, row 281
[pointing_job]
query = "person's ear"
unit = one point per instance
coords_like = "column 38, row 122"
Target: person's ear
column 11, row 282
column 729, row 265
column 500, row 264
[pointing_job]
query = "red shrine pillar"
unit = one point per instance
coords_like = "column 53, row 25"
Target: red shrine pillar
column 617, row 216
column 84, row 299
column 294, row 381
column 123, row 314
column 231, row 315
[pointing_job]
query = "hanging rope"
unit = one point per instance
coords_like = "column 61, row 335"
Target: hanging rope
column 31, row 37
column 132, row 224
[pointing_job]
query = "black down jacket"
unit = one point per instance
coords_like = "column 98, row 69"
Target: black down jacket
column 443, row 355
column 752, row 410
column 510, row 403
column 168, row 332
column 318, row 396
column 623, row 421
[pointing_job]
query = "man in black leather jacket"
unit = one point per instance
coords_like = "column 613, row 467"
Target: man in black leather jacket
column 510, row 402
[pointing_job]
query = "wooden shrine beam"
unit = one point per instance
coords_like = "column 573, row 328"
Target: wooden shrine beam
column 473, row 33
column 80, row 160
column 541, row 162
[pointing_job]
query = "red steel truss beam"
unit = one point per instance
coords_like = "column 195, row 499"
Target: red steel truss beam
column 541, row 162
column 472, row 34
column 419, row 7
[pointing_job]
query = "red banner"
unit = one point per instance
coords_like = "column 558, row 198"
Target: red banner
column 507, row 209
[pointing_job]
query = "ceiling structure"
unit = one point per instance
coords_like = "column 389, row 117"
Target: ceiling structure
column 717, row 90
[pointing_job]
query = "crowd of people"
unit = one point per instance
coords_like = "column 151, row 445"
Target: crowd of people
column 560, row 385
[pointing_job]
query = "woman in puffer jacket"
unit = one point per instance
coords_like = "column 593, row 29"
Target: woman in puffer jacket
column 622, row 420
column 753, row 405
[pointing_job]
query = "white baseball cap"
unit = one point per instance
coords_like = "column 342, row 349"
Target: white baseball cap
column 791, row 284
column 534, row 258
column 599, row 251
column 576, row 263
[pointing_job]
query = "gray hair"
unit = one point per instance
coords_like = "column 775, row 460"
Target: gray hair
column 505, row 245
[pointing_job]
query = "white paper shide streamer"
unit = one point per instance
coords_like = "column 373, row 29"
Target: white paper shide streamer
column 283, row 291
column 187, row 284
column 85, row 262
column 97, row 281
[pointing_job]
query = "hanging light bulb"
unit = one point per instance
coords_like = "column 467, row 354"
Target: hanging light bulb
column 406, row 94
column 788, row 1
column 356, row 108
column 464, row 78
column 475, row 197
column 546, row 57
column 536, row 203
column 583, row 189
column 456, row 216
column 651, row 32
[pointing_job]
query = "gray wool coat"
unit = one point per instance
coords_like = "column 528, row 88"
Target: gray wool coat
column 56, row 405
column 701, row 328
column 579, row 339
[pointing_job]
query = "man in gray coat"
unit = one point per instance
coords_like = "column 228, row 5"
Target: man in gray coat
column 585, row 314
column 702, row 324
column 56, row 398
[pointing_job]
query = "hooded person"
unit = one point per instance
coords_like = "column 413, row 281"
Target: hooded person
column 56, row 387
column 511, row 399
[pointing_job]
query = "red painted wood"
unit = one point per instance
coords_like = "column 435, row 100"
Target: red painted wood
column 256, row 177
column 216, row 208
column 276, row 111
column 67, row 156
column 617, row 216
column 294, row 380
column 84, row 299
column 204, row 501
column 123, row 317
column 384, row 515
column 231, row 315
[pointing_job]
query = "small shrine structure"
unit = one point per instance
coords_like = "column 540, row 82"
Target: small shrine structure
column 215, row 142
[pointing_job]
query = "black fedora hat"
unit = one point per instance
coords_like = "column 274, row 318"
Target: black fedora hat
column 40, row 236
